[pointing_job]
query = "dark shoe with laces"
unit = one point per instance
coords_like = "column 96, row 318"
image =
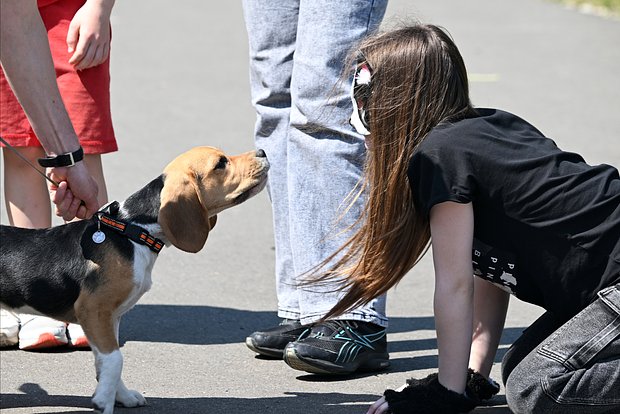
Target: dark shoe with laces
column 340, row 347
column 271, row 342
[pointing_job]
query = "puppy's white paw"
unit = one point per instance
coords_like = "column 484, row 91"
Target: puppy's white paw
column 129, row 398
column 102, row 405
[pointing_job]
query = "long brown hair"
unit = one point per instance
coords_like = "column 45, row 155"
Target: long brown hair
column 418, row 81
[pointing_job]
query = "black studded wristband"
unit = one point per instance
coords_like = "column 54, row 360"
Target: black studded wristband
column 63, row 160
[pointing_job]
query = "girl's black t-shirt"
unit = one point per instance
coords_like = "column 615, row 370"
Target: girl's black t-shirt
column 547, row 225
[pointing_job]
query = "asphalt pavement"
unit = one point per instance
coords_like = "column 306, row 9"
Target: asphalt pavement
column 180, row 79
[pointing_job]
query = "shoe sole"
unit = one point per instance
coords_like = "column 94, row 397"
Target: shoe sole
column 43, row 341
column 268, row 352
column 322, row 367
column 81, row 343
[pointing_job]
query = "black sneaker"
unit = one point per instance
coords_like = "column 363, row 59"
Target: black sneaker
column 340, row 347
column 271, row 342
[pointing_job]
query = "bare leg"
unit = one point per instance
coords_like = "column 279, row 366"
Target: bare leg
column 25, row 191
column 28, row 206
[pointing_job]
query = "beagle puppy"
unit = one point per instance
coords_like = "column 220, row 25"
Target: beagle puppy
column 93, row 271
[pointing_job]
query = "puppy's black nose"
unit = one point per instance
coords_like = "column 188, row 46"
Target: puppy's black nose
column 261, row 154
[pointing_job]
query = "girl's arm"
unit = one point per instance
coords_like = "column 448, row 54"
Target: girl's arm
column 88, row 38
column 452, row 229
column 490, row 307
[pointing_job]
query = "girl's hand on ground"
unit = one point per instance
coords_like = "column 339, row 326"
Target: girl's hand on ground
column 88, row 38
column 379, row 407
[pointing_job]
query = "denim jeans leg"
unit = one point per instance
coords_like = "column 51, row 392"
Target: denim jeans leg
column 577, row 368
column 537, row 332
column 325, row 156
column 272, row 32
column 297, row 52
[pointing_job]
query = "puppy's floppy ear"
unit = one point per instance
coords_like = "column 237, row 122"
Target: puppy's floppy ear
column 182, row 216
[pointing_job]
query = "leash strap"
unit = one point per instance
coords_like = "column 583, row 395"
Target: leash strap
column 12, row 148
column 131, row 231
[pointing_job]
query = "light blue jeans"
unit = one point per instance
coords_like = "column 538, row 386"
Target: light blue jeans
column 570, row 368
column 297, row 55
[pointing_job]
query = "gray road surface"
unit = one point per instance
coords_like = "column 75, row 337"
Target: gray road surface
column 180, row 79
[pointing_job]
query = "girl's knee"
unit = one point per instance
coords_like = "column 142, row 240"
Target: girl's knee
column 524, row 391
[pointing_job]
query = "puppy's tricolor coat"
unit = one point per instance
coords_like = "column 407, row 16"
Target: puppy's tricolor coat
column 93, row 271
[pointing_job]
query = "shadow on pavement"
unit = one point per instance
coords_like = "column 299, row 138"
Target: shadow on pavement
column 209, row 325
column 508, row 337
column 291, row 403
column 422, row 362
column 213, row 325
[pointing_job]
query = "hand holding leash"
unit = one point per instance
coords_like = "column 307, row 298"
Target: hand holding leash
column 76, row 193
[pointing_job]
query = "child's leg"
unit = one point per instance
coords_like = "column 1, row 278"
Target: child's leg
column 537, row 332
column 28, row 205
column 577, row 368
column 25, row 191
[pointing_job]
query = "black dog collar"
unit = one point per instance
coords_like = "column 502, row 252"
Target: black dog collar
column 129, row 230
column 63, row 160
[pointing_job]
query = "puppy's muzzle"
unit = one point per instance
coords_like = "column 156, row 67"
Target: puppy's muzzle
column 260, row 176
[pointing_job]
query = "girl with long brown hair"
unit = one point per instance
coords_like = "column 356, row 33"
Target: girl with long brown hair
column 495, row 199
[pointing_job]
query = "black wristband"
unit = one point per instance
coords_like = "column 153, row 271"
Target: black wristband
column 63, row 160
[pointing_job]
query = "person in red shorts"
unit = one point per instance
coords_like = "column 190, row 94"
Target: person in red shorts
column 79, row 36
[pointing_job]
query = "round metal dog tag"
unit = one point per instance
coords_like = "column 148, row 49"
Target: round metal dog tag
column 98, row 237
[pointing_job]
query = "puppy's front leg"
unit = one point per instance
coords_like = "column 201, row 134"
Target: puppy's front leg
column 109, row 367
column 100, row 326
column 125, row 396
column 110, row 385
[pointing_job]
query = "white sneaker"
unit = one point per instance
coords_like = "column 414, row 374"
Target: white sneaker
column 9, row 328
column 39, row 332
column 77, row 337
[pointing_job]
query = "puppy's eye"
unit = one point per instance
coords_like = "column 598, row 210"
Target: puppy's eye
column 221, row 164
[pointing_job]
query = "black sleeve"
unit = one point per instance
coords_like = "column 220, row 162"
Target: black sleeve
column 441, row 170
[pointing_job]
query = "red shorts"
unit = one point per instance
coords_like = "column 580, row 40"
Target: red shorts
column 86, row 93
